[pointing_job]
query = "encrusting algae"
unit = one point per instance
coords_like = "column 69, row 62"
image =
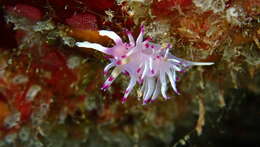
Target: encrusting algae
column 198, row 59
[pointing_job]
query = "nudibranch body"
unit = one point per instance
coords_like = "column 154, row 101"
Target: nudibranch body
column 146, row 63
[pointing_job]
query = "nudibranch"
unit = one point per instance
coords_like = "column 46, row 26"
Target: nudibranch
column 147, row 63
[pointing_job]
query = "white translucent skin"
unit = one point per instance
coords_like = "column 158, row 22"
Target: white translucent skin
column 147, row 63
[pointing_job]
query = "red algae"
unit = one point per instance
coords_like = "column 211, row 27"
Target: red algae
column 50, row 89
column 99, row 5
column 169, row 7
column 83, row 21
column 30, row 12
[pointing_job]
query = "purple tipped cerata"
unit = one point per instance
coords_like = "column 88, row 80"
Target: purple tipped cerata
column 149, row 64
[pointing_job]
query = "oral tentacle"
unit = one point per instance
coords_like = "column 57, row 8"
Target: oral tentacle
column 95, row 46
column 112, row 35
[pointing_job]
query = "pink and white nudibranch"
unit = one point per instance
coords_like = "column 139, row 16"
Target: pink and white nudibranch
column 146, row 63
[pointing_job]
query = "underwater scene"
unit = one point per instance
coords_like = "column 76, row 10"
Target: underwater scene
column 129, row 73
